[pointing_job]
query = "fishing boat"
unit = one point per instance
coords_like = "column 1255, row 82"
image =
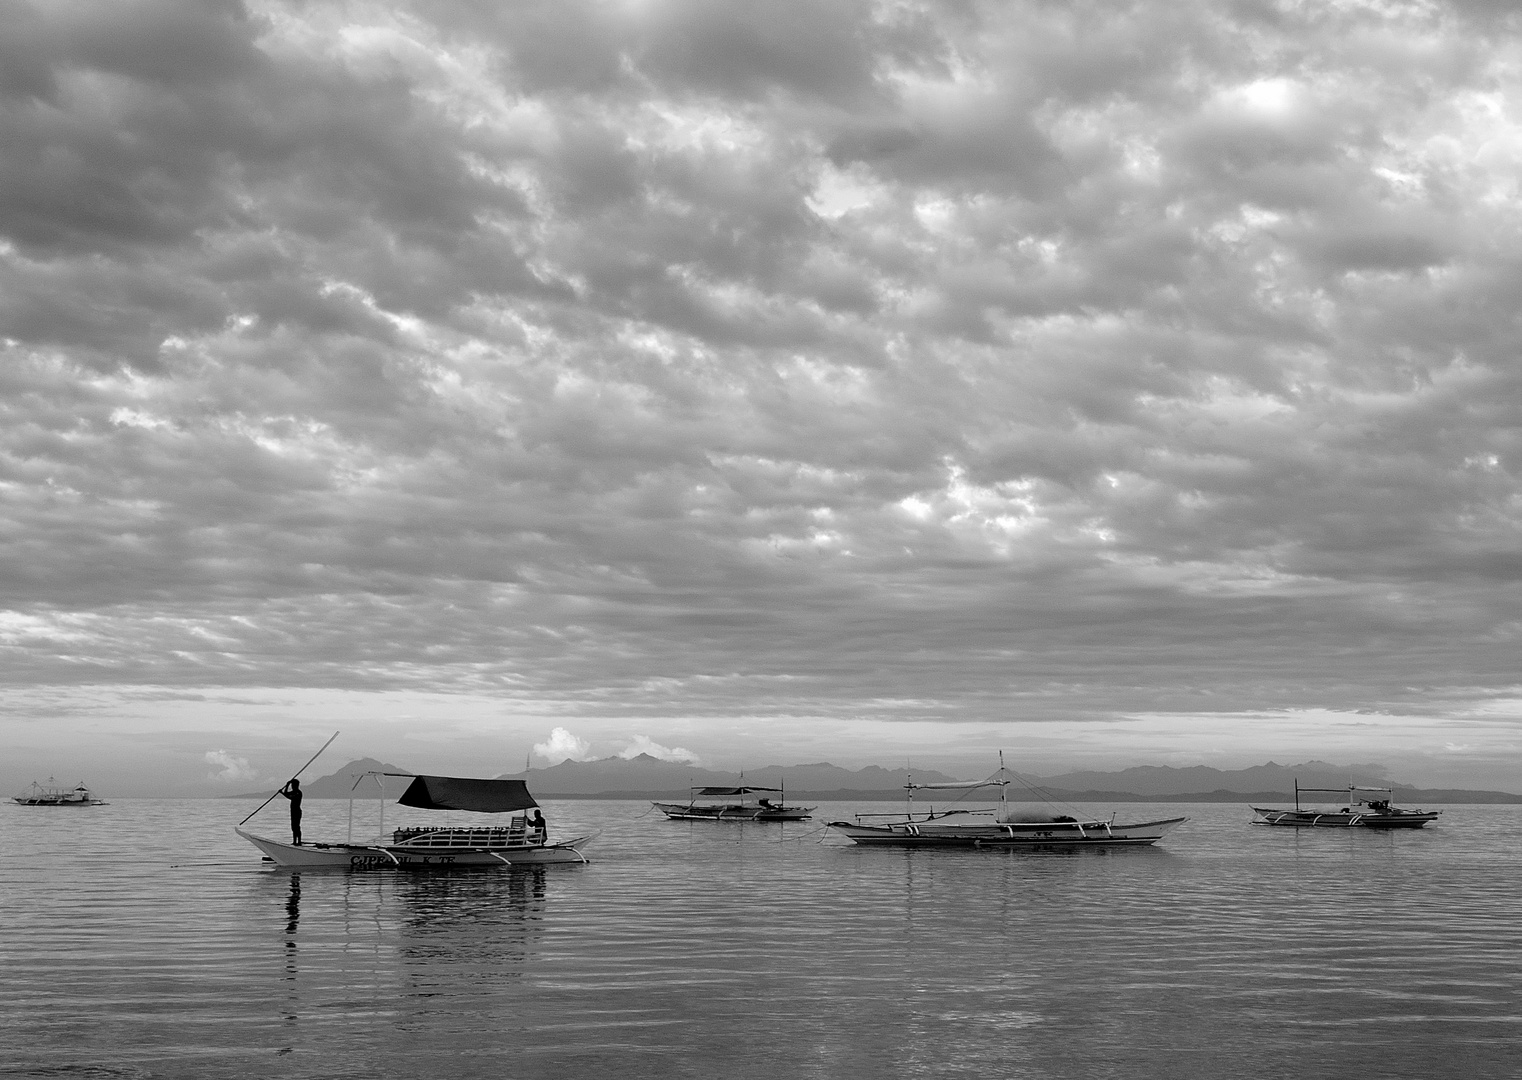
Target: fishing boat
column 996, row 827
column 53, row 795
column 1360, row 808
column 436, row 847
column 735, row 804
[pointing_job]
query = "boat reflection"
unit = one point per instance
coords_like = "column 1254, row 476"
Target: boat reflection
column 446, row 901
column 463, row 934
column 293, row 911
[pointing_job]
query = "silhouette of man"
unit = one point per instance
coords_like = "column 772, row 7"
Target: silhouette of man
column 536, row 823
column 292, row 791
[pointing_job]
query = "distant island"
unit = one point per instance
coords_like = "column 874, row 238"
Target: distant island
column 646, row 777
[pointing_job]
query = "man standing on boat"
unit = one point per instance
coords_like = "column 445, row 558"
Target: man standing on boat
column 536, row 825
column 292, row 791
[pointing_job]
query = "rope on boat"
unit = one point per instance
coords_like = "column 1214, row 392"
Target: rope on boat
column 798, row 839
column 1045, row 797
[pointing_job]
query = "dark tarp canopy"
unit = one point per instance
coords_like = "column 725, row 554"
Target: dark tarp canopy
column 733, row 790
column 456, row 793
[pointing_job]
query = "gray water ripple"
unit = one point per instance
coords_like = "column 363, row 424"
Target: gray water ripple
column 145, row 939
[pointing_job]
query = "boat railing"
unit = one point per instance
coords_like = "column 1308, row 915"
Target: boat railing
column 465, row 836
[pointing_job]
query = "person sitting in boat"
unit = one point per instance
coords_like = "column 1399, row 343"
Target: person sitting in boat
column 537, row 826
column 767, row 804
column 292, row 791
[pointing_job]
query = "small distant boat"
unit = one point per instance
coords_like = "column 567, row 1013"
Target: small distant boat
column 53, row 795
column 442, row 847
column 735, row 804
column 1362, row 808
column 998, row 827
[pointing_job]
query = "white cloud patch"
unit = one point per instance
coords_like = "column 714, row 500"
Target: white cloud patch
column 643, row 744
column 230, row 769
column 563, row 746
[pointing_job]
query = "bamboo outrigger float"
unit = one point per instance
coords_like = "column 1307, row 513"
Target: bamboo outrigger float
column 997, row 828
column 414, row 847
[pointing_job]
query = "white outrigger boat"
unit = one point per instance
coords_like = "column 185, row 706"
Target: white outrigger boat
column 998, row 827
column 53, row 795
column 1363, row 808
column 734, row 804
column 446, row 846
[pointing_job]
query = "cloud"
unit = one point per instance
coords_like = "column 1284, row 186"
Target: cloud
column 642, row 744
column 233, row 770
column 563, row 746
column 676, row 362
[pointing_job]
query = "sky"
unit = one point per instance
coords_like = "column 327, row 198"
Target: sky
column 1108, row 383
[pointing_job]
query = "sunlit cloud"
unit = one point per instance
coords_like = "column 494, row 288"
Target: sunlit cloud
column 231, row 769
column 643, row 744
column 563, row 746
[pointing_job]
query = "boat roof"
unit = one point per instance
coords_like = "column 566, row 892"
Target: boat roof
column 731, row 790
column 463, row 793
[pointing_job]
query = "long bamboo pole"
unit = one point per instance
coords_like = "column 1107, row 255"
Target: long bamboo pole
column 294, row 775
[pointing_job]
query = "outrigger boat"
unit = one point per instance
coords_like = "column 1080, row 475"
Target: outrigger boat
column 415, row 847
column 1364, row 808
column 53, row 795
column 762, row 808
column 997, row 828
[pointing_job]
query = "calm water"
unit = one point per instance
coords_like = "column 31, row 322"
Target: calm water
column 145, row 939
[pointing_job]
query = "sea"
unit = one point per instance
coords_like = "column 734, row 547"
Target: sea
column 145, row 939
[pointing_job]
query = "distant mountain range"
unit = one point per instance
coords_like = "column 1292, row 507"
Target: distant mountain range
column 644, row 775
column 647, row 777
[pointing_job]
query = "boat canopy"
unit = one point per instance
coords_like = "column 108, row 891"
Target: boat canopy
column 731, row 790
column 457, row 793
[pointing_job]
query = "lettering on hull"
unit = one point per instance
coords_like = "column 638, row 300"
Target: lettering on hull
column 400, row 860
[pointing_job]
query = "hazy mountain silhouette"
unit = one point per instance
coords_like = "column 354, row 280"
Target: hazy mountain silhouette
column 1151, row 780
column 645, row 776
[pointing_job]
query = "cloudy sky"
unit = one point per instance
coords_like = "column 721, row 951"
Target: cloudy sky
column 1113, row 383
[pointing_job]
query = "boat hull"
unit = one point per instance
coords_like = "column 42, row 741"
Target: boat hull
column 403, row 857
column 685, row 812
column 1307, row 819
column 1023, row 835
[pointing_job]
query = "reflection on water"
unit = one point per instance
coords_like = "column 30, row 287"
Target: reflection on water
column 293, row 911
column 695, row 950
column 442, row 901
column 468, row 932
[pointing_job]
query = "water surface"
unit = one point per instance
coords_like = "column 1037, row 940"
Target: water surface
column 145, row 939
